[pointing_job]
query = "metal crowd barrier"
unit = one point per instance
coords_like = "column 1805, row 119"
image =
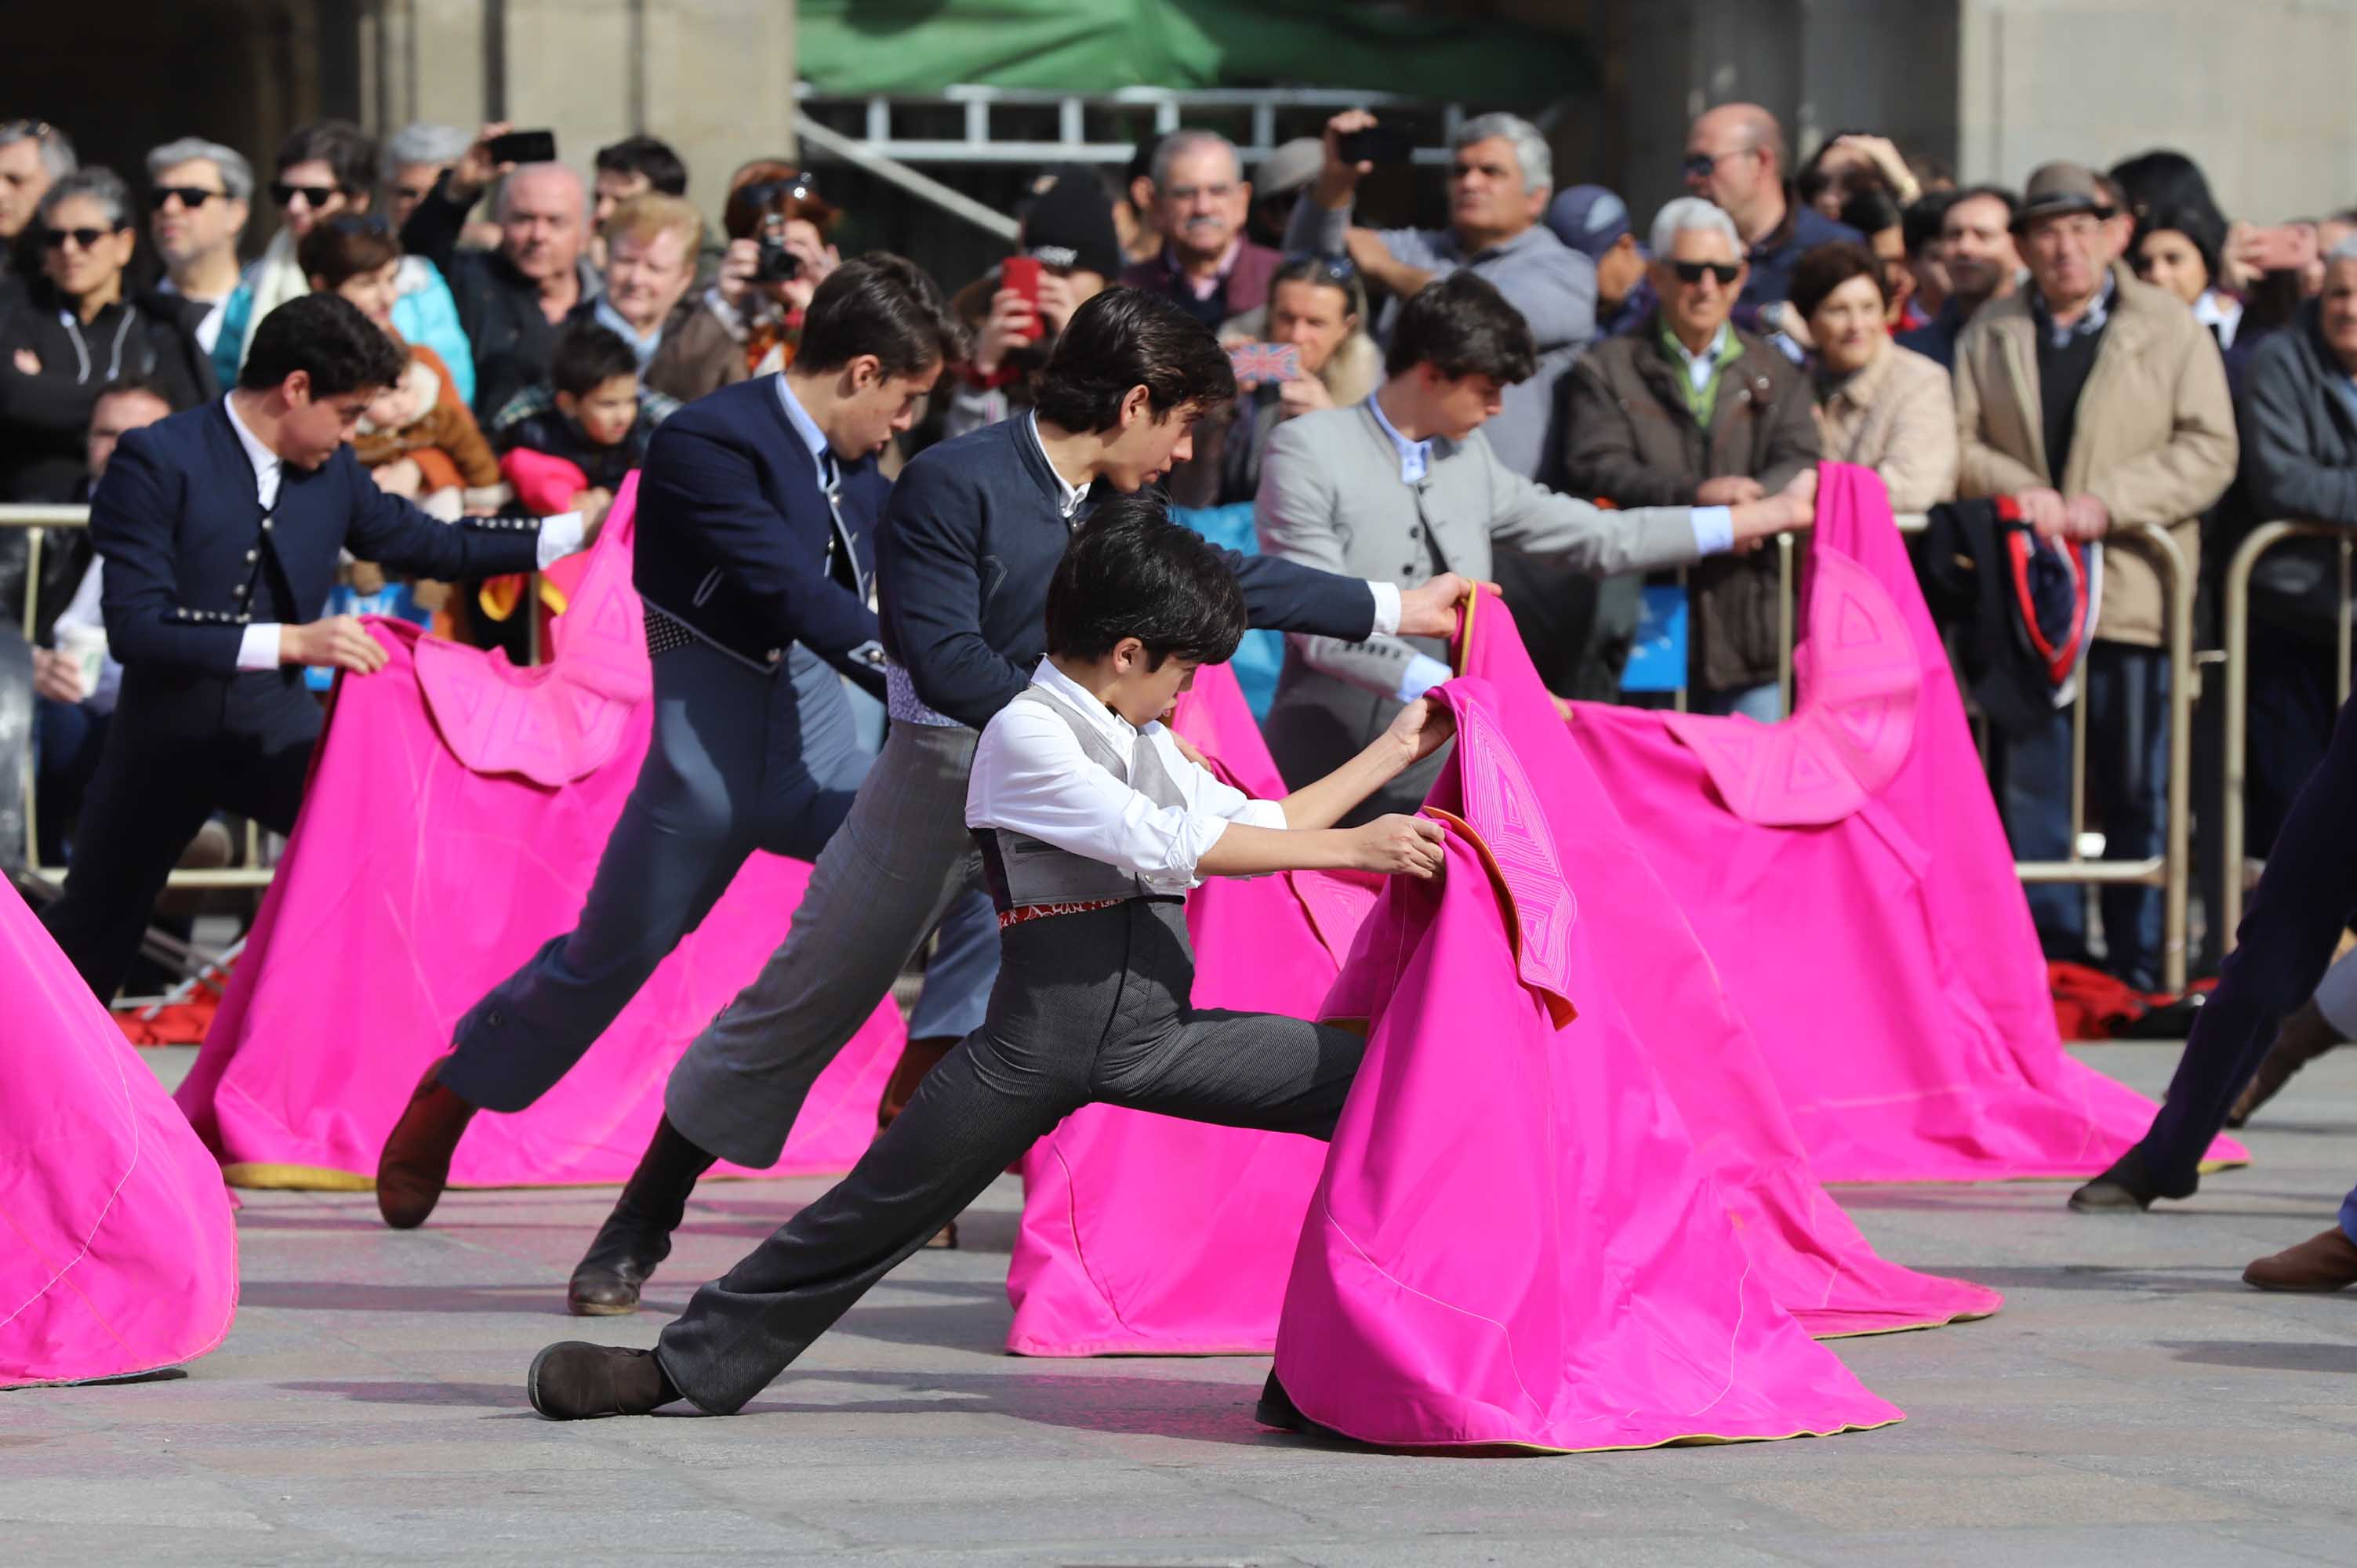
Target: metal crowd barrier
column 2234, row 823
column 2170, row 870
column 36, row 521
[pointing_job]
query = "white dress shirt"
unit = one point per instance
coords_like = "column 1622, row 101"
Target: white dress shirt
column 1031, row 776
column 258, row 650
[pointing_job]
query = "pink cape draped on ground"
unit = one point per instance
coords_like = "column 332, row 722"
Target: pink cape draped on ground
column 118, row 1246
column 1847, row 873
column 1143, row 1234
column 1514, row 1240
column 453, row 824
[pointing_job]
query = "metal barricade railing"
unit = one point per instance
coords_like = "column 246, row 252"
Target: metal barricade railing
column 37, row 521
column 2233, row 824
column 2170, row 870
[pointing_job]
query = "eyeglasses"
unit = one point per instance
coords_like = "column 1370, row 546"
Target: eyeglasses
column 311, row 196
column 777, row 192
column 1692, row 271
column 1186, row 195
column 191, row 196
column 83, row 239
column 19, row 130
column 1702, row 166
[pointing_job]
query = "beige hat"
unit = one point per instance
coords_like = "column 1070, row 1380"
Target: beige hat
column 2058, row 187
column 1288, row 167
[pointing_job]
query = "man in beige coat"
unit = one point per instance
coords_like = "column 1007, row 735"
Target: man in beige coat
column 2097, row 402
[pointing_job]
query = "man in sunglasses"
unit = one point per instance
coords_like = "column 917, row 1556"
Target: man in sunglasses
column 1688, row 410
column 1737, row 159
column 198, row 201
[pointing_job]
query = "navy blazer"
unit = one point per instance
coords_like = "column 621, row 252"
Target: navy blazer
column 736, row 538
column 971, row 536
column 191, row 560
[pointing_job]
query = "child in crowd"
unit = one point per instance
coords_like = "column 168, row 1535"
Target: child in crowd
column 1092, row 826
column 419, row 441
column 568, row 444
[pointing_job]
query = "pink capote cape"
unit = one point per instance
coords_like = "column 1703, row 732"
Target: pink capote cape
column 1143, row 1234
column 454, row 821
column 1514, row 1240
column 1848, row 875
column 118, row 1248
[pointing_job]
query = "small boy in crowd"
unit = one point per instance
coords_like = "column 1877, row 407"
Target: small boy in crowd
column 568, row 444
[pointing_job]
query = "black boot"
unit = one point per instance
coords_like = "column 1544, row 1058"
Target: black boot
column 2305, row 1035
column 2129, row 1187
column 636, row 1235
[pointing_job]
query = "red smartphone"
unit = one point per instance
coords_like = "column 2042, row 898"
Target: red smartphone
column 1021, row 273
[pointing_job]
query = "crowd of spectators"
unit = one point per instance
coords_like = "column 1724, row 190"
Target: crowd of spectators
column 2098, row 350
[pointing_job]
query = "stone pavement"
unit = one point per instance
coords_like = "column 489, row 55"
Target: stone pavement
column 2134, row 1404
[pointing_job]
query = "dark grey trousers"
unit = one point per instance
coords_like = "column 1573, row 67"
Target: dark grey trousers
column 1089, row 1006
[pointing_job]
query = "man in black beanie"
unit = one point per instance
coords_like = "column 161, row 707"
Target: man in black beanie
column 1068, row 229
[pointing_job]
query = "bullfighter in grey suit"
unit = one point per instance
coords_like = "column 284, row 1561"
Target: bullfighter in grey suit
column 1404, row 486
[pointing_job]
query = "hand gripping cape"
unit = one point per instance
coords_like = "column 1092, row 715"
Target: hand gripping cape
column 1847, row 873
column 454, row 821
column 1514, row 1240
column 118, row 1248
column 1141, row 1234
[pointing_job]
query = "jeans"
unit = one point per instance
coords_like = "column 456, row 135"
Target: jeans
column 1764, row 702
column 2126, row 689
column 67, row 740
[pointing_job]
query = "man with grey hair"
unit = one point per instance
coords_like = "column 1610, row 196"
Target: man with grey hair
column 1688, row 411
column 1737, row 158
column 1498, row 190
column 34, row 155
column 510, row 300
column 198, row 198
column 414, row 157
column 1206, row 266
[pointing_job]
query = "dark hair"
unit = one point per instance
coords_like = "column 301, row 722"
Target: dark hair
column 883, row 305
column 2164, row 178
column 1870, row 209
column 326, row 335
column 1825, row 268
column 1324, row 272
column 586, row 356
column 1996, row 193
column 1461, row 325
column 341, row 146
column 649, row 156
column 767, row 188
column 1125, row 337
column 2202, row 227
column 340, row 248
column 133, row 385
column 1919, row 225
column 1130, row 571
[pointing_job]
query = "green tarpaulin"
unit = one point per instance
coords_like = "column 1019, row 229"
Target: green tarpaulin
column 855, row 48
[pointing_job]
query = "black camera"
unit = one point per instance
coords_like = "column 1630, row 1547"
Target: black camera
column 777, row 265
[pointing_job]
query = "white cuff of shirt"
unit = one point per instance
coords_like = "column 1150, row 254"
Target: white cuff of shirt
column 1387, row 608
column 1714, row 529
column 560, row 536
column 258, row 649
column 1423, row 673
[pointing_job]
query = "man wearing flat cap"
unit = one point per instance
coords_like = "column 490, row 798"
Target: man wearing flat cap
column 2097, row 402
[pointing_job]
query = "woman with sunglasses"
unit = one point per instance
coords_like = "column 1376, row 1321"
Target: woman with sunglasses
column 1878, row 405
column 79, row 327
column 324, row 171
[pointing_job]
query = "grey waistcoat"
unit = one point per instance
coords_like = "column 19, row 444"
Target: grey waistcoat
column 1024, row 871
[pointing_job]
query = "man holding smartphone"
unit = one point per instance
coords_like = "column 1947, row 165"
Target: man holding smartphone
column 510, row 300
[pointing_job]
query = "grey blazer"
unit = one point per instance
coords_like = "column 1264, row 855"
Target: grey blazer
column 1332, row 497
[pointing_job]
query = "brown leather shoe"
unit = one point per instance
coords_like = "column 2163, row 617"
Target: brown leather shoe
column 415, row 1165
column 2323, row 1262
column 2305, row 1035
